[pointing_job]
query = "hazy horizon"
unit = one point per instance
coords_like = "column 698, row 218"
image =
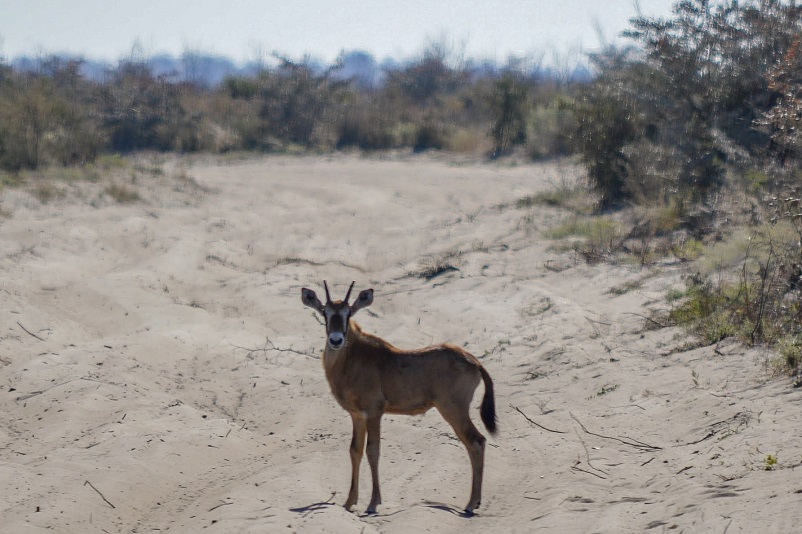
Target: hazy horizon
column 248, row 30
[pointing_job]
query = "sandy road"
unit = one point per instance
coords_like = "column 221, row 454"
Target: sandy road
column 142, row 390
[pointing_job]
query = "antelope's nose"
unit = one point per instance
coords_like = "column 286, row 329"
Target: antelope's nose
column 336, row 340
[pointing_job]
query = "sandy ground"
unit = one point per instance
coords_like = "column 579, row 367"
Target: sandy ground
column 158, row 371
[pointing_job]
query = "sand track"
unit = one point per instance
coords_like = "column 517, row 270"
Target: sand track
column 141, row 389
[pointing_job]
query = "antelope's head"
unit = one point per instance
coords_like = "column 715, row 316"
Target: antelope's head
column 336, row 313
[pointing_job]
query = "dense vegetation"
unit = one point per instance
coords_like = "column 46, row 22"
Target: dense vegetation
column 701, row 120
column 696, row 125
column 53, row 115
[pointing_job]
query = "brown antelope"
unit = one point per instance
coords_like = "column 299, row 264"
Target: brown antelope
column 369, row 377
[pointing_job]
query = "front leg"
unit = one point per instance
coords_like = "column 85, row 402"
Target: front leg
column 357, row 446
column 374, row 441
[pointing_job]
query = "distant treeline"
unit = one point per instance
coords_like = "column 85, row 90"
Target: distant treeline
column 53, row 112
column 210, row 70
column 715, row 86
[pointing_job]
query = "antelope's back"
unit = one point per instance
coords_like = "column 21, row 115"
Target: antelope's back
column 414, row 381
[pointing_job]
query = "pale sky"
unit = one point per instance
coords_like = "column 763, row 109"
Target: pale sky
column 244, row 30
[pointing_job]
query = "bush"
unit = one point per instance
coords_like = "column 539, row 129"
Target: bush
column 430, row 135
column 757, row 301
column 604, row 128
column 364, row 126
column 509, row 106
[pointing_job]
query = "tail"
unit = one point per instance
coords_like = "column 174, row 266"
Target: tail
column 488, row 409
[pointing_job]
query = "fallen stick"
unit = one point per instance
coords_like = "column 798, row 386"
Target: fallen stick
column 224, row 503
column 534, row 423
column 632, row 442
column 29, row 332
column 86, row 482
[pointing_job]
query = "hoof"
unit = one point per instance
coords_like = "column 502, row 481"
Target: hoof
column 470, row 508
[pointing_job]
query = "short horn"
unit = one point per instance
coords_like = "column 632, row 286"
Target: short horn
column 326, row 286
column 349, row 291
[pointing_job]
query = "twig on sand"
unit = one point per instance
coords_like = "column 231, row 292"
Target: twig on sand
column 587, row 457
column 626, row 441
column 649, row 319
column 222, row 503
column 29, row 332
column 534, row 423
column 270, row 346
column 86, row 482
column 575, row 468
column 29, row 395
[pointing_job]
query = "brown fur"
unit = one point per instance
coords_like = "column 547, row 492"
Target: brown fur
column 369, row 377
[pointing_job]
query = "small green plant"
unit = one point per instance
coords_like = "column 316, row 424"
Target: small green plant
column 604, row 390
column 706, row 309
column 109, row 162
column 626, row 287
column 570, row 196
column 596, row 237
column 755, row 179
column 687, row 249
column 76, row 173
column 662, row 217
column 553, row 197
column 10, row 179
column 674, row 295
column 790, row 348
column 599, row 229
column 45, row 191
column 770, row 462
column 122, row 193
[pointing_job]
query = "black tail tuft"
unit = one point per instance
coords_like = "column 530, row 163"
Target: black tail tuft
column 488, row 409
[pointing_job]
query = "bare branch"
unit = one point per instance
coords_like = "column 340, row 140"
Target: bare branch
column 219, row 505
column 29, row 332
column 270, row 346
column 627, row 441
column 534, row 423
column 86, row 482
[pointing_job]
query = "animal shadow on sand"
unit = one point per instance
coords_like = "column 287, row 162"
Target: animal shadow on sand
column 316, row 506
column 447, row 508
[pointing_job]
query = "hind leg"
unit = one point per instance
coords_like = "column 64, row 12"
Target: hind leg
column 459, row 419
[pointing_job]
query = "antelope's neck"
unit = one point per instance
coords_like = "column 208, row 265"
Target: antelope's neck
column 334, row 358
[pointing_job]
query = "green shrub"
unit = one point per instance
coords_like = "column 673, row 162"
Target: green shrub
column 790, row 348
column 599, row 229
column 751, row 295
column 508, row 102
column 122, row 194
column 604, row 127
column 430, row 135
column 364, row 128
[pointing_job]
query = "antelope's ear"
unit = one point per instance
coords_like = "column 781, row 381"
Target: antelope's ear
column 309, row 298
column 364, row 300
